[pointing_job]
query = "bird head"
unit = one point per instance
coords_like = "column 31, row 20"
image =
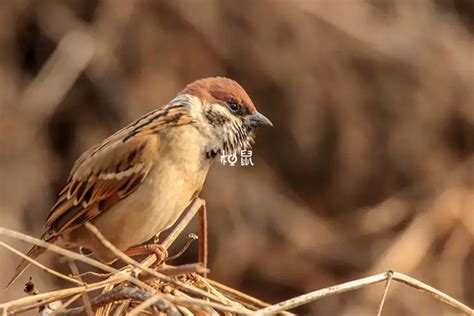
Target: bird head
column 224, row 110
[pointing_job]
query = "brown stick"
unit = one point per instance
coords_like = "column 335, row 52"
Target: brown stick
column 191, row 211
column 203, row 250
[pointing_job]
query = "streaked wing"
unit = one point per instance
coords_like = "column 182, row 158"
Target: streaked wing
column 110, row 171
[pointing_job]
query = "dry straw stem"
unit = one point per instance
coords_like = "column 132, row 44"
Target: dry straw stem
column 193, row 209
column 122, row 293
column 224, row 305
column 238, row 296
column 218, row 298
column 211, row 301
column 356, row 284
column 41, row 266
column 70, row 301
column 85, row 297
column 164, row 278
column 216, row 302
column 183, row 223
column 30, row 302
column 68, row 254
column 385, row 292
column 190, row 302
column 25, row 303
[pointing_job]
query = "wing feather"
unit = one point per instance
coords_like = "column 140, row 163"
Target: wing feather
column 99, row 182
column 111, row 170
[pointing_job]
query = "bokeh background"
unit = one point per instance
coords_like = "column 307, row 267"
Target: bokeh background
column 369, row 167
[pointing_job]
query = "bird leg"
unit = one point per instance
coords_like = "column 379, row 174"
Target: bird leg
column 158, row 250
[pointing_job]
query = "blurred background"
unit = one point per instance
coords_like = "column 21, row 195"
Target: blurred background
column 369, row 167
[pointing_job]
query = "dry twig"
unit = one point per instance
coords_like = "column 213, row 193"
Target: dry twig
column 123, row 293
column 143, row 267
column 41, row 266
column 356, row 284
column 85, row 296
column 215, row 296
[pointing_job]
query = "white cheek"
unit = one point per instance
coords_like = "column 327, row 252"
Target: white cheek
column 195, row 106
column 218, row 108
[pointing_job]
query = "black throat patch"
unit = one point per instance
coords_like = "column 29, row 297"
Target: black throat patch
column 211, row 154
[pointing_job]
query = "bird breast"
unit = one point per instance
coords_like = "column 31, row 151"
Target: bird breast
column 177, row 176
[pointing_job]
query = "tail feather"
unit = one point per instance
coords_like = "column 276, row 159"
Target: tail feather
column 34, row 252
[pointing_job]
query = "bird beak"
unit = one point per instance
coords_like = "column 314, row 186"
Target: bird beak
column 257, row 119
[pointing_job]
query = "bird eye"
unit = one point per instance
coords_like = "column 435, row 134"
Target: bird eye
column 233, row 106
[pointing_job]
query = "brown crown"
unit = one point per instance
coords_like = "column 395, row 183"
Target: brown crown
column 220, row 89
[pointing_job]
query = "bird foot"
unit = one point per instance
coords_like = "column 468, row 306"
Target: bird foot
column 158, row 250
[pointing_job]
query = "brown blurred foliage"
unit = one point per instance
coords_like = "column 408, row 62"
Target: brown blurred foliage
column 369, row 167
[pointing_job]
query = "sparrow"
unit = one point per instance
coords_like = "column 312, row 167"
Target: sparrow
column 137, row 182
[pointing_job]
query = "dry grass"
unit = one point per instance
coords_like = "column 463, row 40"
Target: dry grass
column 137, row 289
column 171, row 290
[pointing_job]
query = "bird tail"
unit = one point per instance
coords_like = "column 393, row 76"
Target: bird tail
column 34, row 252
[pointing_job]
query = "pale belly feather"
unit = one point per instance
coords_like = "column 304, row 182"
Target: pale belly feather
column 150, row 210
